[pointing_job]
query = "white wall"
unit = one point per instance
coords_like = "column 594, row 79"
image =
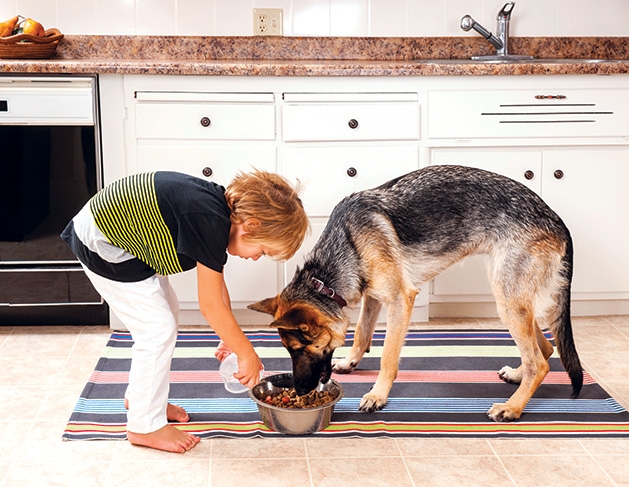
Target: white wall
column 415, row 18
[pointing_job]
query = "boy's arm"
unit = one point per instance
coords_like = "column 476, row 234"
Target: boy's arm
column 217, row 312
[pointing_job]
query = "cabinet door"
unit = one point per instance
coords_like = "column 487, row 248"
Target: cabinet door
column 469, row 277
column 590, row 194
column 246, row 280
column 208, row 116
column 328, row 174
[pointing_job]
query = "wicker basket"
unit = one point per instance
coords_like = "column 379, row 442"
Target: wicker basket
column 26, row 46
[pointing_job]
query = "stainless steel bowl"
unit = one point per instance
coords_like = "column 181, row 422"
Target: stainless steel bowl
column 293, row 421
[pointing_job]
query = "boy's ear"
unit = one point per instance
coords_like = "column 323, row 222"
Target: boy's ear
column 268, row 305
column 250, row 224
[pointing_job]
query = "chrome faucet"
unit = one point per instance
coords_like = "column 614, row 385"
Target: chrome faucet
column 501, row 40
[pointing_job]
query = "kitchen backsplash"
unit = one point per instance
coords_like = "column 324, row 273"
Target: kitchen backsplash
column 364, row 18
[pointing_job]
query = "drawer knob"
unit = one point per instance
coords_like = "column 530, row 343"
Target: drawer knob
column 529, row 175
column 558, row 174
column 206, row 122
column 353, row 123
column 207, row 172
column 352, row 172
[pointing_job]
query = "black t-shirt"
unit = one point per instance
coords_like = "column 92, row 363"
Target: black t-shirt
column 169, row 221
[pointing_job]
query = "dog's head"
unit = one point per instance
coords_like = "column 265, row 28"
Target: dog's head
column 309, row 334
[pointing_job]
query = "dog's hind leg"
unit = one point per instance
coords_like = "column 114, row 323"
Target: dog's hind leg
column 514, row 376
column 362, row 336
column 398, row 319
column 519, row 316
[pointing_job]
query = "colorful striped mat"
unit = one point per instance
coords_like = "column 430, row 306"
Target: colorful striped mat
column 447, row 381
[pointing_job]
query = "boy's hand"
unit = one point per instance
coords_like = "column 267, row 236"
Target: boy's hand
column 249, row 368
column 222, row 351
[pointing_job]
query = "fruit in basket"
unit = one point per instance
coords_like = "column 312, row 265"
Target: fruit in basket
column 6, row 27
column 32, row 27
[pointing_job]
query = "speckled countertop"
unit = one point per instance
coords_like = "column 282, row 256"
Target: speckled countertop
column 324, row 56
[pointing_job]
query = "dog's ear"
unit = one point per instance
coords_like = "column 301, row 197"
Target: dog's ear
column 268, row 305
column 287, row 324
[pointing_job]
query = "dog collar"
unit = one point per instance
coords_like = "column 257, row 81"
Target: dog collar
column 329, row 292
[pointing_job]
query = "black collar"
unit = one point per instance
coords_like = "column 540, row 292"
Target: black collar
column 320, row 287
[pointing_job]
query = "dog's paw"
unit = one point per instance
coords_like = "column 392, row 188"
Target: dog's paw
column 502, row 413
column 372, row 402
column 343, row 366
column 510, row 375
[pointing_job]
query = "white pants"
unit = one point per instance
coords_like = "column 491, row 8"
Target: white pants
column 149, row 309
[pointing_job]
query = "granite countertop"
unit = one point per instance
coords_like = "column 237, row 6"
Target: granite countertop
column 324, row 56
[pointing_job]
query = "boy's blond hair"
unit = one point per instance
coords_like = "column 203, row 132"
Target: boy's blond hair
column 272, row 208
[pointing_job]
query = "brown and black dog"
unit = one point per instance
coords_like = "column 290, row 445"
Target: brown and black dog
column 381, row 244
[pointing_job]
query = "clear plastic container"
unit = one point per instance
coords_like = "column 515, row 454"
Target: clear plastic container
column 227, row 369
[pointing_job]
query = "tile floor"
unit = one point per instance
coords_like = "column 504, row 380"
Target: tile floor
column 44, row 369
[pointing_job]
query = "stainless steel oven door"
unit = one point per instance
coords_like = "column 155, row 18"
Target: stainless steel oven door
column 50, row 166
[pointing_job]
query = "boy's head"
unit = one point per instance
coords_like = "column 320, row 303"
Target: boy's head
column 271, row 210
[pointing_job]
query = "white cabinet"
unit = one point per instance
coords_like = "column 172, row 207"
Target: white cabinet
column 586, row 187
column 543, row 112
column 336, row 144
column 213, row 136
column 338, row 135
column 328, row 174
column 565, row 137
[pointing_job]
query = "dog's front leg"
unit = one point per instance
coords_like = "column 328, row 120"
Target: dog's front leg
column 398, row 319
column 362, row 336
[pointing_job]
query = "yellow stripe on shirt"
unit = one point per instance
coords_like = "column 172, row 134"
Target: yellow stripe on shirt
column 127, row 213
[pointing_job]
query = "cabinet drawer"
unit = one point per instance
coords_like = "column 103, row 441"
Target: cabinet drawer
column 218, row 164
column 375, row 117
column 205, row 116
column 329, row 174
column 528, row 113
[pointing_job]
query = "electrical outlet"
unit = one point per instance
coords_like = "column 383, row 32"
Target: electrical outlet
column 267, row 22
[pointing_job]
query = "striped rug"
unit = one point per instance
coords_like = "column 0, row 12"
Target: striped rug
column 447, row 381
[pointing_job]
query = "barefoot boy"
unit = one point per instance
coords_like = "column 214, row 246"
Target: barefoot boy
column 135, row 232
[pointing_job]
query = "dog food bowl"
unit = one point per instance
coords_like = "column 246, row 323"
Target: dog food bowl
column 227, row 369
column 293, row 421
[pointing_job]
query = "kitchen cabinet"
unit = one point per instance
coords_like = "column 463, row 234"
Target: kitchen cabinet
column 213, row 136
column 338, row 143
column 338, row 135
column 333, row 142
column 570, row 147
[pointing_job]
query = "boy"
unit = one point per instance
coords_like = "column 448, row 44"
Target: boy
column 138, row 230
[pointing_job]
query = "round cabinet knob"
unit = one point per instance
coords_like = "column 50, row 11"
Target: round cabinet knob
column 529, row 175
column 558, row 174
column 206, row 122
column 353, row 123
column 207, row 172
column 352, row 172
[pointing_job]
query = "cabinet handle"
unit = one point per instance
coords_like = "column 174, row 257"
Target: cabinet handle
column 529, row 174
column 352, row 172
column 550, row 97
column 558, row 174
column 206, row 122
column 207, row 172
column 353, row 123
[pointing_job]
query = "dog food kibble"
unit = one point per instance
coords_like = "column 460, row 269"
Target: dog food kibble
column 289, row 399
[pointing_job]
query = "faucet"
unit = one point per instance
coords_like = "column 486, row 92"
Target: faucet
column 499, row 41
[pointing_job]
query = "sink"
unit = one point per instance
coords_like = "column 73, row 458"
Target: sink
column 518, row 60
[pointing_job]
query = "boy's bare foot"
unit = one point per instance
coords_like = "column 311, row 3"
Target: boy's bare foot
column 173, row 412
column 176, row 413
column 167, row 438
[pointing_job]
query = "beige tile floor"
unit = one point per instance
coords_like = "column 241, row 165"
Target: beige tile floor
column 44, row 369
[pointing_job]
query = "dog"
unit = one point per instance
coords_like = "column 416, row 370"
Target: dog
column 380, row 245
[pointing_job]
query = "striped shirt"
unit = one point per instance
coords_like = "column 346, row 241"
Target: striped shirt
column 167, row 221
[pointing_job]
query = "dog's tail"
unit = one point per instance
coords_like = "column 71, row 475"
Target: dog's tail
column 561, row 326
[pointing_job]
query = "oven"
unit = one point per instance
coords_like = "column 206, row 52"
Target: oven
column 50, row 165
